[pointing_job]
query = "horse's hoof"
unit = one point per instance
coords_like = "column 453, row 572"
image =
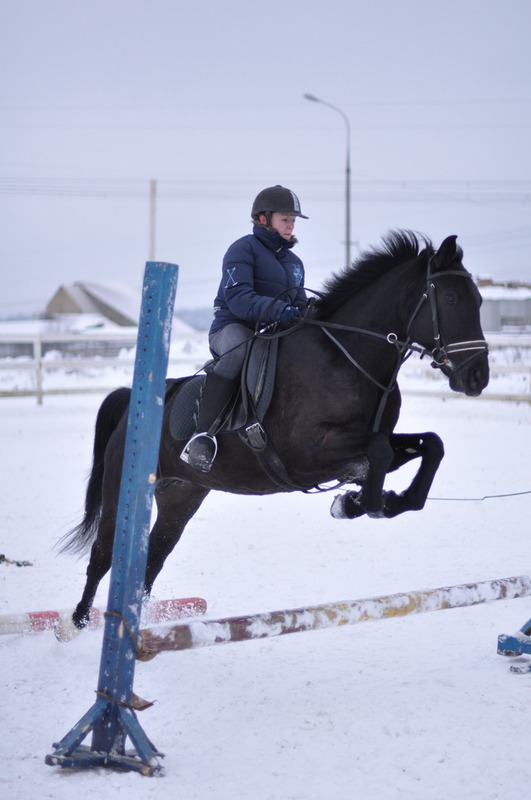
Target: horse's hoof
column 336, row 509
column 64, row 628
column 346, row 506
column 392, row 504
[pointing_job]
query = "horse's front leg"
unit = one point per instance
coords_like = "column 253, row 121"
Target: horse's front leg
column 378, row 455
column 407, row 446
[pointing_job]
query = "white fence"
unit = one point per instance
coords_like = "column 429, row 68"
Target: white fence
column 71, row 363
column 59, row 363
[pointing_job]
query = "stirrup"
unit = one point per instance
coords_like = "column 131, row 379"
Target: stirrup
column 200, row 451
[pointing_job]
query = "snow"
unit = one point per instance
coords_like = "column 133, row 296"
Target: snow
column 419, row 707
column 83, row 323
column 506, row 292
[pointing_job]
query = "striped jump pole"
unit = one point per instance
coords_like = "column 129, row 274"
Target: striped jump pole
column 112, row 718
column 158, row 611
column 330, row 615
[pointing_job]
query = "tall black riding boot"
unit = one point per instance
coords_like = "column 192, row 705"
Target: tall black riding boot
column 201, row 449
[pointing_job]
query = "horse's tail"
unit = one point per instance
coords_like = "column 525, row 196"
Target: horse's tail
column 111, row 411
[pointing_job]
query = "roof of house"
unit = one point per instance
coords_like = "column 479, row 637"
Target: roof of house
column 115, row 301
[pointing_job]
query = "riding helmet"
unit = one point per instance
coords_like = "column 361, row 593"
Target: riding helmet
column 277, row 198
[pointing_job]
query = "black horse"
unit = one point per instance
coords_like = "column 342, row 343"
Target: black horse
column 334, row 408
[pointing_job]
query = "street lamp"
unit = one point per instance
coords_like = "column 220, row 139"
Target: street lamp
column 347, row 172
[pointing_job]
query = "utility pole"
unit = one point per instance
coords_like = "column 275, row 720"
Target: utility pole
column 152, row 218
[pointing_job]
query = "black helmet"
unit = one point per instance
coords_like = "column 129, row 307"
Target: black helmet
column 277, row 198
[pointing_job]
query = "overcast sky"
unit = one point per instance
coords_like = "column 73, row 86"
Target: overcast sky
column 99, row 97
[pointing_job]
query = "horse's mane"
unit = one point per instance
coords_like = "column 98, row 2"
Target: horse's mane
column 399, row 247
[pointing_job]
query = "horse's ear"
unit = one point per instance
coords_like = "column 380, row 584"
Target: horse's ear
column 446, row 252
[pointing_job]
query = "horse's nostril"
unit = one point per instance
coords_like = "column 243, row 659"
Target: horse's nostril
column 479, row 379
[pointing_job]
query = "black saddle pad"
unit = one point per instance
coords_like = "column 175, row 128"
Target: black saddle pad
column 184, row 407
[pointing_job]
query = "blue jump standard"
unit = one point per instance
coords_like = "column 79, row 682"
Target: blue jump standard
column 517, row 644
column 112, row 718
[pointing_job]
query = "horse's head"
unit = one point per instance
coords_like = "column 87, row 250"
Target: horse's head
column 447, row 321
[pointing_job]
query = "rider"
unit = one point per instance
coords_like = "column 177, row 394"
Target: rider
column 262, row 283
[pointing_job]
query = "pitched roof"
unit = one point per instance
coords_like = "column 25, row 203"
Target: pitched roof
column 115, row 301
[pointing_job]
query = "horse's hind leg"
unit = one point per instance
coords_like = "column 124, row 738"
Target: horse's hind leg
column 99, row 565
column 407, row 446
column 177, row 502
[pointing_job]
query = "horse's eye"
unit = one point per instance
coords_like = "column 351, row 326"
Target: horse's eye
column 450, row 298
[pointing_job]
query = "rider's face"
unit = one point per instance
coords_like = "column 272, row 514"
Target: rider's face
column 283, row 224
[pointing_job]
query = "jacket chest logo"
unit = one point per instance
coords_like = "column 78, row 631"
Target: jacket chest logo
column 297, row 274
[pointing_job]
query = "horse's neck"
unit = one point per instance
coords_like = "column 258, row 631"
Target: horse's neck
column 375, row 313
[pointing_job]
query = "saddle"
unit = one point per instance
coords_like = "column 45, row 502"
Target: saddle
column 250, row 403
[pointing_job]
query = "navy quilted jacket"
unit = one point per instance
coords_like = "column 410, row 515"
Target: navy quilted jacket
column 257, row 268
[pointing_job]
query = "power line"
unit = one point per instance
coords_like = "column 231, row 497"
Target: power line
column 481, row 192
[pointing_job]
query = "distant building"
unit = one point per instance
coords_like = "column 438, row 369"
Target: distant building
column 116, row 302
column 84, row 307
column 506, row 305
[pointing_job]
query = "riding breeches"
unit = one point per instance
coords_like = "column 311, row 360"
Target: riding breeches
column 229, row 344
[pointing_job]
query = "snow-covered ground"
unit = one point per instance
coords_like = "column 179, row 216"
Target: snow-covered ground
column 420, row 707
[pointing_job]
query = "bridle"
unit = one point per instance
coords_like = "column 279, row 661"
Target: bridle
column 441, row 352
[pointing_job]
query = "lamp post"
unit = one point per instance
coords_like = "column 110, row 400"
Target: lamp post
column 347, row 172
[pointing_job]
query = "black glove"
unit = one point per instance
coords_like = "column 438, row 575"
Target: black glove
column 289, row 313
